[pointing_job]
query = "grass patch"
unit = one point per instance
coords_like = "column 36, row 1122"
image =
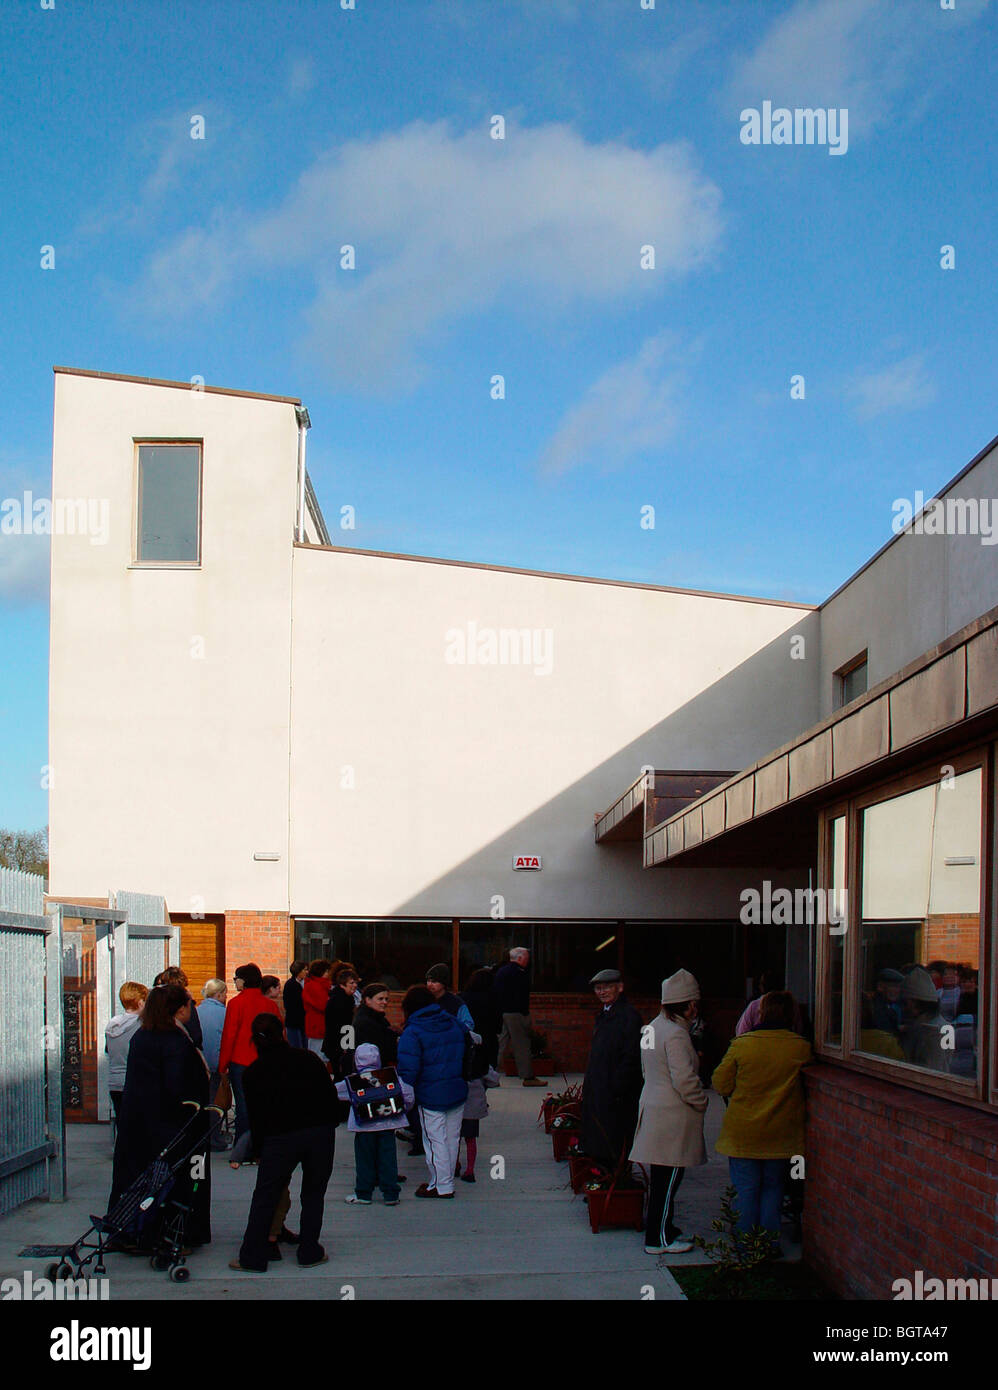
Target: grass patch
column 765, row 1283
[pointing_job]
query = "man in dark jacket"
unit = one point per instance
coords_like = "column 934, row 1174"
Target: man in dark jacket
column 292, row 1116
column 431, row 1060
column 612, row 1087
column 512, row 988
column 294, row 1004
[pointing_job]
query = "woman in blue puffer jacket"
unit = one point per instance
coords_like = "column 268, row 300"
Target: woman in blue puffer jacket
column 431, row 1060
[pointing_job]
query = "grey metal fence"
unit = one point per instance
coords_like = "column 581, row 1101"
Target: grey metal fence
column 32, row 1148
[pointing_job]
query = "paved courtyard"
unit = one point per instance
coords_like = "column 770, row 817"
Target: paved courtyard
column 521, row 1237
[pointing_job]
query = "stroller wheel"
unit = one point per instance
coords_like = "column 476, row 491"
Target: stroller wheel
column 51, row 1271
column 64, row 1270
column 100, row 1269
column 179, row 1274
column 159, row 1263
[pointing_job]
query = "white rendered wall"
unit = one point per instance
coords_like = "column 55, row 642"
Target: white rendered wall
column 918, row 592
column 170, row 769
column 415, row 781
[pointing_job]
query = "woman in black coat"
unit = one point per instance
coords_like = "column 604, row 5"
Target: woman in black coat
column 164, row 1070
column 340, row 1008
column 370, row 1024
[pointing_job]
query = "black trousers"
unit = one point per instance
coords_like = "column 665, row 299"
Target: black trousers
column 660, row 1227
column 279, row 1156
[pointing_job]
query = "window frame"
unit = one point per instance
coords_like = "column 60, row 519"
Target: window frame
column 147, row 441
column 982, row 1090
column 839, row 676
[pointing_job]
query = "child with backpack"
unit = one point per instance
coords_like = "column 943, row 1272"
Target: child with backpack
column 378, row 1102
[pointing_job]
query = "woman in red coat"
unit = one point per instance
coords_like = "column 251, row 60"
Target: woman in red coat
column 315, row 997
column 236, row 1052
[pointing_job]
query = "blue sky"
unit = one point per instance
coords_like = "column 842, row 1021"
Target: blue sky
column 625, row 387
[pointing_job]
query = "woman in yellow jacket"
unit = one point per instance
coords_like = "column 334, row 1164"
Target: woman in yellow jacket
column 764, row 1123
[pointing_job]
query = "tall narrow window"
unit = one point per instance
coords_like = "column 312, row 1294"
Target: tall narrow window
column 168, row 523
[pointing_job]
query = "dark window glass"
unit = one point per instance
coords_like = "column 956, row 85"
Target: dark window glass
column 564, row 956
column 397, row 952
column 712, row 951
column 169, row 502
column 851, row 684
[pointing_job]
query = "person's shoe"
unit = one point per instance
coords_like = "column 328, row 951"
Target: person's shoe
column 404, row 1136
column 535, row 1081
column 443, row 1195
column 403, row 1178
column 273, row 1251
column 359, row 1201
column 679, row 1246
column 392, row 1201
column 467, row 1177
column 289, row 1237
column 246, row 1269
column 423, row 1190
column 310, row 1264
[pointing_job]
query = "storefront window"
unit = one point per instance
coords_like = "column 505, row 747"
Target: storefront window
column 836, row 940
column 394, row 951
column 564, row 955
column 920, row 927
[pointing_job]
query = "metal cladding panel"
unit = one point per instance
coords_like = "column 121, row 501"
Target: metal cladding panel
column 771, row 785
column 674, row 838
column 692, row 828
column 861, row 738
column 739, row 802
column 713, row 817
column 931, row 700
column 982, row 671
column 811, row 764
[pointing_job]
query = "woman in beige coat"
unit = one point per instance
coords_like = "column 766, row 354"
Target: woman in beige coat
column 669, row 1136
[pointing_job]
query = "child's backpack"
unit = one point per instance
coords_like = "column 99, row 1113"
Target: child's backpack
column 375, row 1095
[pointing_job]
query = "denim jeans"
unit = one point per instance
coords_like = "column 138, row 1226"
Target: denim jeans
column 759, row 1183
column 236, row 1070
column 376, row 1156
column 296, row 1037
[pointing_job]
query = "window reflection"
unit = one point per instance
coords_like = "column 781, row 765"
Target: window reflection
column 836, row 942
column 920, row 927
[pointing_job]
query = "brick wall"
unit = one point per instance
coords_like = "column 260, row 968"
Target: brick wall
column 263, row 937
column 897, row 1181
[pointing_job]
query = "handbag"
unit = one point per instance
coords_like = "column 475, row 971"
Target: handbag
column 223, row 1095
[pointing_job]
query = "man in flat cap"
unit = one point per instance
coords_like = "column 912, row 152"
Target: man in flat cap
column 613, row 1077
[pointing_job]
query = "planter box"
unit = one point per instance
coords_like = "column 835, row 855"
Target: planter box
column 625, row 1208
column 562, row 1140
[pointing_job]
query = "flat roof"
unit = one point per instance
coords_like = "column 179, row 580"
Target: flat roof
column 551, row 574
column 177, row 385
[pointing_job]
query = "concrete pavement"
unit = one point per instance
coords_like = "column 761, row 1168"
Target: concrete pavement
column 521, row 1236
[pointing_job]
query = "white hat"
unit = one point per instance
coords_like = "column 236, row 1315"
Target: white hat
column 919, row 987
column 680, row 988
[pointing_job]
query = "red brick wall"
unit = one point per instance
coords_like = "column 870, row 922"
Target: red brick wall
column 262, row 937
column 897, row 1181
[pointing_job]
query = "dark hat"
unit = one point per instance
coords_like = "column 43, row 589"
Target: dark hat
column 606, row 977
column 440, row 973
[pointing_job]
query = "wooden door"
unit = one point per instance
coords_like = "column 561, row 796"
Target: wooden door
column 202, row 950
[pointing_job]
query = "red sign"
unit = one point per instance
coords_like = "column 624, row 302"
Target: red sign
column 526, row 861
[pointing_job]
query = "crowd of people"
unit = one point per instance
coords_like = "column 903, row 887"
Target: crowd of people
column 294, row 1061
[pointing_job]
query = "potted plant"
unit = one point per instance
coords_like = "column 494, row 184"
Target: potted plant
column 616, row 1199
column 565, row 1128
column 569, row 1099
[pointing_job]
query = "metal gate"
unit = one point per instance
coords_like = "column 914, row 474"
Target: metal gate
column 32, row 1135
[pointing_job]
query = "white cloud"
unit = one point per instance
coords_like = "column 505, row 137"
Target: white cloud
column 448, row 225
column 630, row 411
column 858, row 54
column 905, row 385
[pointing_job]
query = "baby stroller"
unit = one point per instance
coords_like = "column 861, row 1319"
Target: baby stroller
column 148, row 1197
